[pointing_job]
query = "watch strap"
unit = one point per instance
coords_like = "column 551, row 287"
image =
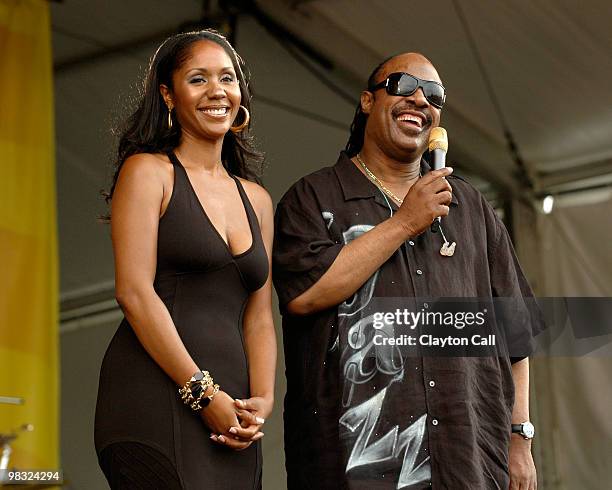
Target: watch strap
column 526, row 430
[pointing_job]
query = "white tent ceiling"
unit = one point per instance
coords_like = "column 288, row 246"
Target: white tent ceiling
column 548, row 61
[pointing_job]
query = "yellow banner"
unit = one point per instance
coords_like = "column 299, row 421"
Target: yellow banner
column 28, row 236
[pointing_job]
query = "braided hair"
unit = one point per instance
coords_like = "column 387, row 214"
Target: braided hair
column 355, row 141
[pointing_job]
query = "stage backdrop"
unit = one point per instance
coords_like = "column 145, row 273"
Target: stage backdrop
column 28, row 235
column 567, row 254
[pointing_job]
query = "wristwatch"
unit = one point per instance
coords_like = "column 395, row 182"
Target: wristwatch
column 526, row 430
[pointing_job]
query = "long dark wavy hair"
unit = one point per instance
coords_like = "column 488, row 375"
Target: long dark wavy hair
column 146, row 129
column 355, row 141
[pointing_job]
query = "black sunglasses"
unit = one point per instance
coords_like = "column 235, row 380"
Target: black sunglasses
column 404, row 84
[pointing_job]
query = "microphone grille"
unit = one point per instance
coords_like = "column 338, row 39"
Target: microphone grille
column 438, row 139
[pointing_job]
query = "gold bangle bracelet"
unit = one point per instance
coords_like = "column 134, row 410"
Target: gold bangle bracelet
column 215, row 391
column 203, row 380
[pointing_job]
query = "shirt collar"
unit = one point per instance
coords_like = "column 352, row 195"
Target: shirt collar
column 355, row 185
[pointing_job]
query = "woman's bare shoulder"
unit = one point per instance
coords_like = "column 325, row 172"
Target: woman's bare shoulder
column 146, row 163
column 153, row 168
column 258, row 195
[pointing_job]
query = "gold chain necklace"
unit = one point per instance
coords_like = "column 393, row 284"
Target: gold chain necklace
column 447, row 249
column 377, row 181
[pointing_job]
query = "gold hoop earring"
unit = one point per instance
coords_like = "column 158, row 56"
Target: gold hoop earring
column 169, row 117
column 245, row 123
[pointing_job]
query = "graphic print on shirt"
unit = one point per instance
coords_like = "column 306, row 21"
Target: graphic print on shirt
column 329, row 218
column 373, row 368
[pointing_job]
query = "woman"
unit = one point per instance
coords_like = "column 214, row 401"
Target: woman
column 188, row 379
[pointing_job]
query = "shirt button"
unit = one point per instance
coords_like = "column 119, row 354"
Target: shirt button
column 432, row 383
column 419, row 272
column 425, row 305
column 411, row 243
column 434, row 421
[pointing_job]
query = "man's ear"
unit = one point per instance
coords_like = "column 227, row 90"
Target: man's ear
column 367, row 99
column 166, row 93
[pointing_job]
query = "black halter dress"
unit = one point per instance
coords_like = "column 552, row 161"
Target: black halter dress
column 144, row 435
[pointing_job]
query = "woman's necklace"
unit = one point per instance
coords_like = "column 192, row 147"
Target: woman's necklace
column 448, row 249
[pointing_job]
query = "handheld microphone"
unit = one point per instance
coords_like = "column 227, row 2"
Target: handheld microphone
column 438, row 146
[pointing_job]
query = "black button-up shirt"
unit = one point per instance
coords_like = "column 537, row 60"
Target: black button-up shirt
column 357, row 416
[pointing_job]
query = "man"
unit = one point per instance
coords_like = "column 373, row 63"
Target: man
column 358, row 415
